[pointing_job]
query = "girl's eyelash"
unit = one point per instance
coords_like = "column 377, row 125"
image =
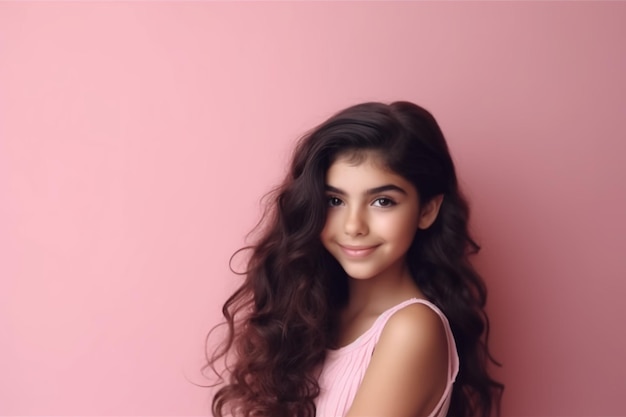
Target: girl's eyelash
column 388, row 202
column 332, row 200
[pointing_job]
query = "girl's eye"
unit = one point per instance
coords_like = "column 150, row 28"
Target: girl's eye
column 334, row 201
column 384, row 202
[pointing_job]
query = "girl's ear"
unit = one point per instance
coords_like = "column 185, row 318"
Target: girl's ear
column 429, row 212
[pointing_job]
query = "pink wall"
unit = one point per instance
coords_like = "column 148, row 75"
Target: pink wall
column 137, row 138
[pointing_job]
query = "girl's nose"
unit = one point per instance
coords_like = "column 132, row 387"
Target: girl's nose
column 355, row 223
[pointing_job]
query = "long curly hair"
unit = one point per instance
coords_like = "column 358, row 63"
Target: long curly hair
column 280, row 320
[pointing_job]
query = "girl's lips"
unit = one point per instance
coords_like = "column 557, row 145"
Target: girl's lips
column 357, row 251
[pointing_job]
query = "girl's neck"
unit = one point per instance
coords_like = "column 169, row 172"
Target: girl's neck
column 377, row 294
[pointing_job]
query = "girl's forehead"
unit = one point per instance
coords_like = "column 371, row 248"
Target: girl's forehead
column 366, row 172
column 360, row 157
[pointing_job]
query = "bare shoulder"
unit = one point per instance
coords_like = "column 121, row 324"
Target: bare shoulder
column 408, row 371
column 415, row 326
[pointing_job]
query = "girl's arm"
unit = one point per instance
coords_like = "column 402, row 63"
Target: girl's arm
column 408, row 372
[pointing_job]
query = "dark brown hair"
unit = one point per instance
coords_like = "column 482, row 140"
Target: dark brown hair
column 281, row 318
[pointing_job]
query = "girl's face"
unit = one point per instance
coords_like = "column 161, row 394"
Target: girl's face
column 373, row 215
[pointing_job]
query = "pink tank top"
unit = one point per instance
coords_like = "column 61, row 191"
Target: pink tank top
column 344, row 368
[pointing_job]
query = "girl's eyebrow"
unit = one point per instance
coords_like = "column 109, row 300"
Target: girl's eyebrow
column 371, row 191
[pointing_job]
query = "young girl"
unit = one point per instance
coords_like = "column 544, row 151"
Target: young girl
column 359, row 299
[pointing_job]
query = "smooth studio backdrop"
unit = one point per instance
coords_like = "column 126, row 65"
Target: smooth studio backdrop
column 137, row 138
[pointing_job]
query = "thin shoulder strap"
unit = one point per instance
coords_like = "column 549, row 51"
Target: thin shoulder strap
column 453, row 359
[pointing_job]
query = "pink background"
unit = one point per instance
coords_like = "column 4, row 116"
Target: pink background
column 136, row 140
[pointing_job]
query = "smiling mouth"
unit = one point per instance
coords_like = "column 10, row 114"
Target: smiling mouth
column 357, row 251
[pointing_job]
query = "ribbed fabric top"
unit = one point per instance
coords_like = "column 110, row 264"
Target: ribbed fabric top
column 344, row 368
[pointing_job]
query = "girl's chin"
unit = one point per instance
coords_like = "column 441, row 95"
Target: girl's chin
column 360, row 275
